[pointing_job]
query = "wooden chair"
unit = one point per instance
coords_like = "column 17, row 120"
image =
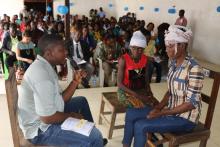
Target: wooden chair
column 111, row 101
column 12, row 99
column 202, row 130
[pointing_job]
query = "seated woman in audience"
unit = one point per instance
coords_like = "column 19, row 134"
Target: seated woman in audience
column 98, row 33
column 179, row 111
column 25, row 50
column 126, row 37
column 152, row 52
column 60, row 29
column 133, row 87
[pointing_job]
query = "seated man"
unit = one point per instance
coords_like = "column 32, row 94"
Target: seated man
column 9, row 43
column 180, row 108
column 109, row 53
column 42, row 106
column 79, row 55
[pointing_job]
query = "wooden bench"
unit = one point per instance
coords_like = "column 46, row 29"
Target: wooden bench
column 202, row 131
column 111, row 101
column 12, row 99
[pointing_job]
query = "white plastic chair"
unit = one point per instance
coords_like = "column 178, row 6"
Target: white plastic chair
column 69, row 71
column 1, row 70
column 101, row 73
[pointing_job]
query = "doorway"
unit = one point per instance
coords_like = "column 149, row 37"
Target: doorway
column 39, row 5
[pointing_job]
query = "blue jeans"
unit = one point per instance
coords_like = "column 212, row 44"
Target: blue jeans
column 137, row 125
column 55, row 136
column 79, row 104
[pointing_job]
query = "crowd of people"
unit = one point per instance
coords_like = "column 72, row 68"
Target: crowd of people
column 98, row 36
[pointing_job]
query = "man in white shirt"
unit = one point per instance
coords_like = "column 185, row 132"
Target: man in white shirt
column 42, row 106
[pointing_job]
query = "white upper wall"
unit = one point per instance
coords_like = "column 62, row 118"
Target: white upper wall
column 82, row 7
column 203, row 18
column 11, row 7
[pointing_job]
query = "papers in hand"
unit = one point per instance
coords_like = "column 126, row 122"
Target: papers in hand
column 80, row 126
column 79, row 61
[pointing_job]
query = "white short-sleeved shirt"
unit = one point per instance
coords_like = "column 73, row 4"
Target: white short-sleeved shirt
column 39, row 95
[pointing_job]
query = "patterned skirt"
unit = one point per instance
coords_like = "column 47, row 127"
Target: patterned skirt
column 130, row 101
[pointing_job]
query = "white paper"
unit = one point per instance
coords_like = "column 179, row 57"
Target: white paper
column 79, row 61
column 80, row 126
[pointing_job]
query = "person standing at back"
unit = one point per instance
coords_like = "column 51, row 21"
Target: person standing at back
column 182, row 21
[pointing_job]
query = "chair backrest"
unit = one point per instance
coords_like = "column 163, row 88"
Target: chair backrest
column 12, row 98
column 69, row 71
column 211, row 100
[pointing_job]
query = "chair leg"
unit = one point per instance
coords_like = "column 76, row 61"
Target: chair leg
column 112, row 124
column 171, row 144
column 149, row 142
column 101, row 111
column 203, row 143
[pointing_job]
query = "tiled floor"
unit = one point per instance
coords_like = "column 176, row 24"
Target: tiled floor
column 94, row 96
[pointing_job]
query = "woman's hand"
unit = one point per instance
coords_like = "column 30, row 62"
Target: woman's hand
column 155, row 113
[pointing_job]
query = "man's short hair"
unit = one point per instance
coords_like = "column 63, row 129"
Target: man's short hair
column 47, row 41
column 182, row 11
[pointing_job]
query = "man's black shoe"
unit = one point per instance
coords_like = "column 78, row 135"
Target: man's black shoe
column 105, row 141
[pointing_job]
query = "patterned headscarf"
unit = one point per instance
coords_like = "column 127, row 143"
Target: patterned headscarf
column 177, row 34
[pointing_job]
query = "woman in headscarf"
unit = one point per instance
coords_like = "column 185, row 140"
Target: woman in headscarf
column 133, row 87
